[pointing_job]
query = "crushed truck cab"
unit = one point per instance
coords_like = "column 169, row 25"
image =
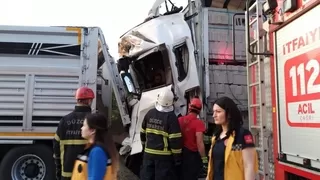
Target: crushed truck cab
column 159, row 59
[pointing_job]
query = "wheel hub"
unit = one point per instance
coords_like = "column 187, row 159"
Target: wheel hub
column 32, row 169
column 28, row 167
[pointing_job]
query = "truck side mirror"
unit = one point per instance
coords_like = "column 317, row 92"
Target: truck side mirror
column 129, row 84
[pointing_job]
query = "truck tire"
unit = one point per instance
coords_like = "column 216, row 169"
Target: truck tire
column 28, row 162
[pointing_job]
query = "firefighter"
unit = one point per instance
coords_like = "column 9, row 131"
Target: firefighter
column 232, row 154
column 68, row 142
column 193, row 154
column 161, row 139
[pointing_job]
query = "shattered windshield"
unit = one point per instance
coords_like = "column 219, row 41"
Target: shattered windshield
column 153, row 71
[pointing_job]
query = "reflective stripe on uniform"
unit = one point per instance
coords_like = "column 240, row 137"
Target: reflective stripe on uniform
column 165, row 135
column 176, row 151
column 68, row 142
column 175, row 135
column 157, row 132
column 56, row 137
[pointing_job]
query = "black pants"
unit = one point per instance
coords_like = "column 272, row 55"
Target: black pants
column 157, row 169
column 191, row 165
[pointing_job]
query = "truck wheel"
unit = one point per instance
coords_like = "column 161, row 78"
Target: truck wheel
column 28, row 162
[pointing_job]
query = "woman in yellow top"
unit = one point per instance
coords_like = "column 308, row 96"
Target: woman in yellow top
column 100, row 159
column 232, row 155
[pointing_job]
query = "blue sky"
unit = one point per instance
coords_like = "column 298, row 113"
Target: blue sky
column 114, row 17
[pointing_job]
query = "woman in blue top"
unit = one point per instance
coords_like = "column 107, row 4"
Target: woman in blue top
column 101, row 159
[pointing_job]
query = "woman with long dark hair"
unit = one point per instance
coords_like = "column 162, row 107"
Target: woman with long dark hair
column 232, row 154
column 100, row 160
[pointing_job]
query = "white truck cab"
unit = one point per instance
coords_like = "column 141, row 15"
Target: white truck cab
column 161, row 58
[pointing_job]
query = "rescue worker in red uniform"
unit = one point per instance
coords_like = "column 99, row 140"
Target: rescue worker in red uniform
column 161, row 135
column 193, row 154
column 68, row 142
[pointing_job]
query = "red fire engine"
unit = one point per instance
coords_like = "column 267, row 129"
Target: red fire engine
column 283, row 63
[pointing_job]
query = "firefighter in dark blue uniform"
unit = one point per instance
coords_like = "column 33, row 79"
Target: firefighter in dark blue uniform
column 162, row 141
column 68, row 143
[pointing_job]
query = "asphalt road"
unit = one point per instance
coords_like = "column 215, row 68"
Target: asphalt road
column 126, row 174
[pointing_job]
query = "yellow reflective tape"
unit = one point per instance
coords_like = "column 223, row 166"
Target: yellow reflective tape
column 175, row 135
column 157, row 152
column 68, row 142
column 56, row 137
column 165, row 144
column 154, row 131
column 66, row 174
column 176, row 151
column 62, row 159
column 142, row 130
column 73, row 142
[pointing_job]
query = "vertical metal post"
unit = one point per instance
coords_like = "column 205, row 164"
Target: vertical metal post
column 256, row 52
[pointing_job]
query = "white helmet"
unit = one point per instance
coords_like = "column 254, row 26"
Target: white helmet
column 165, row 98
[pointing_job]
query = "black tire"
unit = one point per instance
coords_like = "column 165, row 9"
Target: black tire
column 42, row 152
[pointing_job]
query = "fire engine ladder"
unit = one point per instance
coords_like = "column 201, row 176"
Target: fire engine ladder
column 116, row 81
column 256, row 52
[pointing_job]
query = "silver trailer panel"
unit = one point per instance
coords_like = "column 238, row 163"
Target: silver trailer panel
column 40, row 70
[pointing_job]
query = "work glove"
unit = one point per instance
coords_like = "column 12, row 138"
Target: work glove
column 204, row 169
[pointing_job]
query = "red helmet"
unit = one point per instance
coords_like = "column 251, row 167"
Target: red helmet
column 195, row 105
column 84, row 93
